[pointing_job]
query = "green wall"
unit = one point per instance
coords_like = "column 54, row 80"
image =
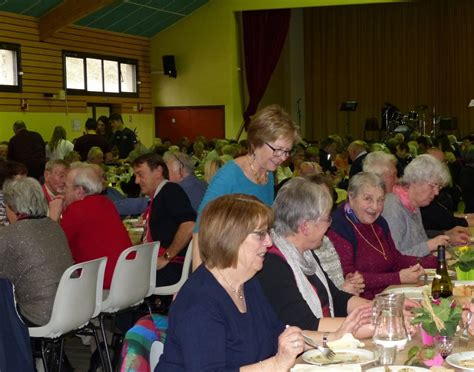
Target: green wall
column 206, row 46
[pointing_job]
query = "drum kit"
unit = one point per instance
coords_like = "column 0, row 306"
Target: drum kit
column 394, row 121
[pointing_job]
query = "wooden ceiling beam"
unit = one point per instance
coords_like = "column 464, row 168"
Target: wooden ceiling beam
column 66, row 13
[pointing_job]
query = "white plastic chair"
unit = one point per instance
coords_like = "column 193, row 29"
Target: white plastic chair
column 78, row 299
column 132, row 281
column 174, row 288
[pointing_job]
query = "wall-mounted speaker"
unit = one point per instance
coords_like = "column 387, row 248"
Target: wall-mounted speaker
column 169, row 66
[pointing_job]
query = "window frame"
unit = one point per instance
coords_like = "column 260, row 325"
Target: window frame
column 17, row 49
column 85, row 92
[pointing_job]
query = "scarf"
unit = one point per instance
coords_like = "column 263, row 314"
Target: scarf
column 402, row 194
column 303, row 265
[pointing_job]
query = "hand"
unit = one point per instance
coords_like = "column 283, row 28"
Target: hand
column 354, row 283
column 161, row 263
column 359, row 317
column 290, row 345
column 458, row 235
column 56, row 207
column 437, row 240
column 411, row 274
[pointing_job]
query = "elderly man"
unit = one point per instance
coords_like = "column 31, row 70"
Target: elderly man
column 181, row 171
column 90, row 221
column 27, row 147
column 383, row 165
column 169, row 218
column 357, row 151
column 54, row 179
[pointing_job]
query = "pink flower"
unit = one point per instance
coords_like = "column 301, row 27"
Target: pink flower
column 437, row 301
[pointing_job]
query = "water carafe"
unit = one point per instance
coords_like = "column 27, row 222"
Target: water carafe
column 389, row 321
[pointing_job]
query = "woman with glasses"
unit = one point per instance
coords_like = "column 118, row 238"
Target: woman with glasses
column 292, row 278
column 363, row 241
column 421, row 182
column 270, row 138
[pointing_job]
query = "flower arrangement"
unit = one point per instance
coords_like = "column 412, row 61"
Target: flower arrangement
column 465, row 262
column 438, row 317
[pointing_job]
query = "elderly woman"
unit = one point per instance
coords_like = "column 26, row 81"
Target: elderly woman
column 363, row 241
column 383, row 165
column 292, row 278
column 270, row 136
column 421, row 182
column 220, row 319
column 33, row 248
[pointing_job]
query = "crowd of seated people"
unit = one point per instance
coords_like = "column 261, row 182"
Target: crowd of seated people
column 394, row 191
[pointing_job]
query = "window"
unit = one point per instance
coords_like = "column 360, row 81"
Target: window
column 10, row 75
column 100, row 75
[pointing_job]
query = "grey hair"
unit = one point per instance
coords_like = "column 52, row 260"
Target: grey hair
column 24, row 196
column 299, row 200
column 179, row 158
column 87, row 177
column 362, row 179
column 378, row 162
column 93, row 152
column 426, row 168
column 50, row 164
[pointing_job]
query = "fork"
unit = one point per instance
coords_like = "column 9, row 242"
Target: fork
column 324, row 350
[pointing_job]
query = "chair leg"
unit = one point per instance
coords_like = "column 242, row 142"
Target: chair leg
column 43, row 356
column 61, row 352
column 97, row 341
column 104, row 337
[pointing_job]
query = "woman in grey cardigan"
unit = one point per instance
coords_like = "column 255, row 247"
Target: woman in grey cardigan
column 34, row 250
column 421, row 182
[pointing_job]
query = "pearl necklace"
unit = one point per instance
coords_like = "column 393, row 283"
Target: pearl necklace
column 260, row 180
column 382, row 250
column 238, row 291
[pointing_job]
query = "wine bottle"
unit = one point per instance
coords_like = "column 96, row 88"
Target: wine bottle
column 442, row 285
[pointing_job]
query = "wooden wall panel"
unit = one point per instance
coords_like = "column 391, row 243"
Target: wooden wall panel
column 43, row 67
column 403, row 53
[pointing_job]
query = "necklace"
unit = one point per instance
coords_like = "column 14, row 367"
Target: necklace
column 260, row 180
column 238, row 291
column 382, row 250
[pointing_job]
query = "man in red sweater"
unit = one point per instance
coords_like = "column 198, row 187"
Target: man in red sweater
column 90, row 221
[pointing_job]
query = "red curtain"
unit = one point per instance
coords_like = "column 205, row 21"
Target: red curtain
column 265, row 33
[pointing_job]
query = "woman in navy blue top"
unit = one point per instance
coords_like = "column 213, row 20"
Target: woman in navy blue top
column 221, row 320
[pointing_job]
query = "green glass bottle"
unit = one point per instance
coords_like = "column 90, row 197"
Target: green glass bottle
column 442, row 285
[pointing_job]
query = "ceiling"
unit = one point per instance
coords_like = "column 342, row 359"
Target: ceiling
column 136, row 17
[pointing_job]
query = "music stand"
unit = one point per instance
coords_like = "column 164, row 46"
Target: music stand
column 348, row 107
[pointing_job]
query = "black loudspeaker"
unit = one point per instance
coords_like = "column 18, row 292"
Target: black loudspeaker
column 169, row 66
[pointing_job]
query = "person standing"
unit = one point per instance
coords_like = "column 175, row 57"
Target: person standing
column 91, row 139
column 58, row 147
column 123, row 137
column 27, row 147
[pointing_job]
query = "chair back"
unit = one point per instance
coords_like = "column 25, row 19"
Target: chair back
column 78, row 299
column 174, row 288
column 134, row 277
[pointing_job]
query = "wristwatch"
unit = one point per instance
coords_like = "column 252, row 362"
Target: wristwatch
column 167, row 256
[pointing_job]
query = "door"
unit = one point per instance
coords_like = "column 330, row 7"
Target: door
column 177, row 122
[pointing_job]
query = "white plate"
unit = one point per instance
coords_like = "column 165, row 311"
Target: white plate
column 364, row 357
column 414, row 293
column 397, row 368
column 455, row 359
column 463, row 282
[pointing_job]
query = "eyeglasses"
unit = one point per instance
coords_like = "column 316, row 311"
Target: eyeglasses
column 435, row 185
column 279, row 152
column 261, row 234
column 327, row 220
